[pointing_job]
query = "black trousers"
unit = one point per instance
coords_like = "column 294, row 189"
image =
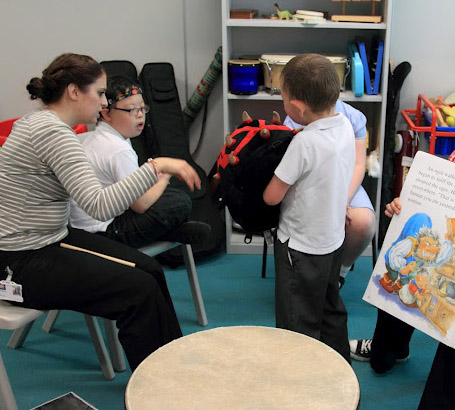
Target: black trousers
column 390, row 342
column 137, row 230
column 439, row 393
column 307, row 297
column 137, row 298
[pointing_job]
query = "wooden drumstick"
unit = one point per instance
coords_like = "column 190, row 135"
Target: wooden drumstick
column 101, row 255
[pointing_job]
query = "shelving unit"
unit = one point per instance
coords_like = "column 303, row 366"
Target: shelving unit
column 265, row 36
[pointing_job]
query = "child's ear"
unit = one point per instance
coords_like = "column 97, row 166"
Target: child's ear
column 299, row 106
column 106, row 114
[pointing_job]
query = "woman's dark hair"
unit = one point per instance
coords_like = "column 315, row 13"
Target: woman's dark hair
column 66, row 69
column 119, row 86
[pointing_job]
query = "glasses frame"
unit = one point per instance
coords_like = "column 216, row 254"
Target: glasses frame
column 145, row 109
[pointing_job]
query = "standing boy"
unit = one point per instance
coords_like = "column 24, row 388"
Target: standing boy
column 312, row 182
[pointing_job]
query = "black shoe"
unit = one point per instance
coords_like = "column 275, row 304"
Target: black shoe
column 340, row 282
column 190, row 232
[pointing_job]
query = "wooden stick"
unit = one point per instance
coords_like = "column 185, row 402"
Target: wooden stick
column 101, row 255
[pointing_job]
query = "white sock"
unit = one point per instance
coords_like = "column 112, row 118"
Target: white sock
column 344, row 270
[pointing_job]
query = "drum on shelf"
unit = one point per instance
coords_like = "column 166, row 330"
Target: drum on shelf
column 342, row 66
column 273, row 65
column 243, row 76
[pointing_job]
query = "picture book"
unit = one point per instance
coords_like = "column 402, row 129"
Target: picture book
column 414, row 277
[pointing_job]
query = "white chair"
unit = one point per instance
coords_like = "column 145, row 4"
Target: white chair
column 162, row 246
column 21, row 320
column 115, row 348
column 12, row 318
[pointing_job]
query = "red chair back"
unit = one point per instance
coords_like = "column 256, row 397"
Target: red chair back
column 5, row 129
column 7, row 125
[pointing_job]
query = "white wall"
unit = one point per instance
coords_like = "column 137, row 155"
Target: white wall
column 422, row 34
column 33, row 32
column 187, row 33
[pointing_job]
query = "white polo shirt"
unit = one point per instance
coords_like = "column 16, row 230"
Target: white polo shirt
column 319, row 164
column 112, row 158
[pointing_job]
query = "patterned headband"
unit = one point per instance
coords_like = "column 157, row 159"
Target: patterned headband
column 129, row 93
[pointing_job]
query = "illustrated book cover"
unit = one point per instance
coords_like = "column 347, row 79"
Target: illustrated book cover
column 414, row 277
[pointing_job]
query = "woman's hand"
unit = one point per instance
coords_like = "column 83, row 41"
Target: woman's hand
column 180, row 169
column 393, row 207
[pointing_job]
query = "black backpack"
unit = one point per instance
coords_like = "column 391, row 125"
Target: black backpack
column 245, row 166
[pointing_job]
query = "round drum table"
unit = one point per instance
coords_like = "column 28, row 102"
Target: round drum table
column 243, row 367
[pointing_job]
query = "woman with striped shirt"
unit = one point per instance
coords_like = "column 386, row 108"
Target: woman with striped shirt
column 42, row 165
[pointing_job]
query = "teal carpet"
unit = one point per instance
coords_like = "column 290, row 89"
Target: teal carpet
column 234, row 293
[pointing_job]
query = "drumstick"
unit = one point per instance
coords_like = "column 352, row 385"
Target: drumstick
column 101, row 255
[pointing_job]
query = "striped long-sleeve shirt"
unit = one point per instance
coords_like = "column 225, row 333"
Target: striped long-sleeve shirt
column 42, row 165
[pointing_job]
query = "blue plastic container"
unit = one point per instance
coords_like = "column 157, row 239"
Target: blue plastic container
column 443, row 145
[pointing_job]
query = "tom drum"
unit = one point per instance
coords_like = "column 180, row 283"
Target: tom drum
column 243, row 76
column 273, row 65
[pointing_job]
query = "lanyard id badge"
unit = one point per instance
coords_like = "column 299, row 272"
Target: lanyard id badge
column 10, row 290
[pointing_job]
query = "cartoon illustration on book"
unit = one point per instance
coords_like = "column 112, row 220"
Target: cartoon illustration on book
column 410, row 263
column 414, row 277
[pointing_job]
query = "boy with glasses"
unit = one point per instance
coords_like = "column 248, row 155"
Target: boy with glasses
column 162, row 212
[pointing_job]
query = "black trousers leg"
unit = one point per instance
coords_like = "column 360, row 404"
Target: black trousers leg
column 137, row 230
column 307, row 298
column 439, row 393
column 390, row 342
column 137, row 298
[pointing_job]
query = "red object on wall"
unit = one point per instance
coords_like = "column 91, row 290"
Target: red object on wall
column 7, row 125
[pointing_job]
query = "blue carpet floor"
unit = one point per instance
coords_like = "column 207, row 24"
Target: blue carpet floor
column 234, row 293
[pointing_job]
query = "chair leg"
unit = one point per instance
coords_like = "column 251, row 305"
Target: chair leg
column 194, row 284
column 7, row 400
column 100, row 347
column 115, row 348
column 50, row 320
column 18, row 337
column 264, row 258
column 374, row 250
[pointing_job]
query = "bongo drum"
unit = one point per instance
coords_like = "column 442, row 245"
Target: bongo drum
column 243, row 76
column 342, row 66
column 273, row 65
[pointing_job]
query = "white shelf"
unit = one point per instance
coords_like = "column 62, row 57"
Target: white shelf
column 268, row 23
column 266, row 96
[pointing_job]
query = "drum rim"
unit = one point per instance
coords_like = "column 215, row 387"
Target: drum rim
column 277, row 60
column 244, row 62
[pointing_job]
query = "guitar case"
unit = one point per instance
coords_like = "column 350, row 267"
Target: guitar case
column 165, row 135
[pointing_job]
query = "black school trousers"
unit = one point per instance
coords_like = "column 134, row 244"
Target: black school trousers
column 439, row 393
column 136, row 297
column 307, row 296
column 390, row 342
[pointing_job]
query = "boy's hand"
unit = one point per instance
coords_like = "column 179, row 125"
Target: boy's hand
column 393, row 207
column 181, row 169
column 162, row 176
